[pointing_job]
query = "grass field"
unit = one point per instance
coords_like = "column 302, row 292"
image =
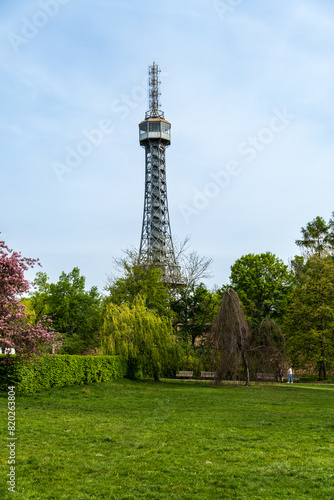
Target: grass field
column 173, row 440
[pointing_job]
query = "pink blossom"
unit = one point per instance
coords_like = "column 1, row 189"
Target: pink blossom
column 15, row 330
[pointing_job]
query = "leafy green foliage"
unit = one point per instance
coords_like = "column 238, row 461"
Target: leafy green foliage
column 61, row 371
column 192, row 362
column 195, row 308
column 318, row 236
column 196, row 359
column 146, row 282
column 76, row 313
column 39, row 299
column 309, row 321
column 263, row 283
column 141, row 337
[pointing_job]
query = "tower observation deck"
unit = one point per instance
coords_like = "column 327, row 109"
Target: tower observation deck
column 156, row 245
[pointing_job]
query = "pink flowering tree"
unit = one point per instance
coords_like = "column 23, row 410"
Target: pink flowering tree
column 16, row 330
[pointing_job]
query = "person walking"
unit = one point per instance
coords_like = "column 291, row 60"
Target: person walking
column 280, row 374
column 290, row 379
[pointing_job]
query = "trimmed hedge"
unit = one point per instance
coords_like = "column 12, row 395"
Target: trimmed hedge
column 60, row 371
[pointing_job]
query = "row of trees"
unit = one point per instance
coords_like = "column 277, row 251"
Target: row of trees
column 299, row 298
column 138, row 306
column 75, row 312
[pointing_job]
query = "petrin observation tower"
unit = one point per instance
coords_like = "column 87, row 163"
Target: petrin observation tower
column 156, row 245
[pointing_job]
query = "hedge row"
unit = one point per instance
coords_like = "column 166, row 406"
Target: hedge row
column 60, row 371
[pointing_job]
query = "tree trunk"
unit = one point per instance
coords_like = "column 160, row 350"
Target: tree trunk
column 245, row 363
column 322, row 371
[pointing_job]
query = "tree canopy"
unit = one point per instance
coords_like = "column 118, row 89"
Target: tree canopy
column 76, row 313
column 16, row 330
column 137, row 280
column 318, row 236
column 263, row 283
column 309, row 321
column 195, row 310
column 152, row 322
column 141, row 337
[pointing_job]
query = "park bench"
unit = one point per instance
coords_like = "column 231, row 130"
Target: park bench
column 295, row 378
column 185, row 374
column 268, row 377
column 208, row 374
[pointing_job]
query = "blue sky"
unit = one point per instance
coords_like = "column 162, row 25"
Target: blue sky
column 247, row 87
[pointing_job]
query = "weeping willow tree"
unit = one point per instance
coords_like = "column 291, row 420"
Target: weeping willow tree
column 141, row 337
column 232, row 340
column 269, row 348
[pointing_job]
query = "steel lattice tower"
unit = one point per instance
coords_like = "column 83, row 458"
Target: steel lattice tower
column 156, row 245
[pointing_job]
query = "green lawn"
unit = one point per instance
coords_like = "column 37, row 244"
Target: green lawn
column 173, row 440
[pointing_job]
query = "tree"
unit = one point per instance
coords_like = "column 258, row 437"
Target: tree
column 318, row 236
column 137, row 280
column 76, row 313
column 268, row 351
column 309, row 322
column 193, row 267
column 141, row 337
column 15, row 329
column 232, row 340
column 263, row 283
column 38, row 301
column 196, row 309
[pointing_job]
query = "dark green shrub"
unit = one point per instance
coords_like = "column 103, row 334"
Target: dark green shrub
column 60, row 371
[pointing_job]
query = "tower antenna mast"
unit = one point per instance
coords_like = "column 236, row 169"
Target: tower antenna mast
column 154, row 93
